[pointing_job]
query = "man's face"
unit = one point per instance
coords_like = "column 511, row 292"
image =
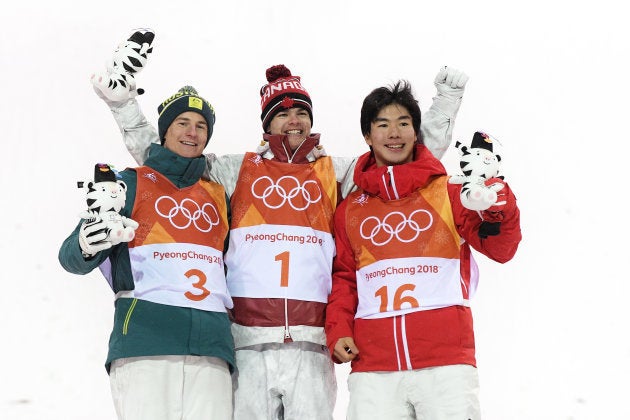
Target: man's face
column 295, row 123
column 392, row 136
column 187, row 135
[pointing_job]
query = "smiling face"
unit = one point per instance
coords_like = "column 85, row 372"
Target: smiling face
column 187, row 135
column 392, row 136
column 295, row 123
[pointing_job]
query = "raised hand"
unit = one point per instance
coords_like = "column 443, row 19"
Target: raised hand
column 116, row 83
column 451, row 82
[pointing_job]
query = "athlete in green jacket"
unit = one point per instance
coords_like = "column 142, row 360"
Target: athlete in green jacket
column 171, row 352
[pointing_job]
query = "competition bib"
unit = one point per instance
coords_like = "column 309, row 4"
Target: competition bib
column 175, row 274
column 280, row 261
column 177, row 254
column 407, row 252
column 398, row 286
column 281, row 245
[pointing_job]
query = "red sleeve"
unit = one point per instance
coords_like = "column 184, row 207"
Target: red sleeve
column 500, row 248
column 343, row 299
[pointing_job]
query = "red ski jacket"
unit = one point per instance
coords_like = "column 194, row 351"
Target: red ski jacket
column 420, row 338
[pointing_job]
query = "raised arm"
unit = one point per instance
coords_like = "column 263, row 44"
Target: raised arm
column 438, row 122
column 116, row 86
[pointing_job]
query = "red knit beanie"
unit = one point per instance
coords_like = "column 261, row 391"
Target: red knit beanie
column 283, row 91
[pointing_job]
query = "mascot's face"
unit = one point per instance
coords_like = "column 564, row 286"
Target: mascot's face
column 106, row 196
column 480, row 162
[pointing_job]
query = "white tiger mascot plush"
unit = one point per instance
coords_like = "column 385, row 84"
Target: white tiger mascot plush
column 117, row 83
column 105, row 197
column 478, row 163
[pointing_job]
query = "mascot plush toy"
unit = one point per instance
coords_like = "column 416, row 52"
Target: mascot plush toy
column 105, row 198
column 118, row 84
column 481, row 182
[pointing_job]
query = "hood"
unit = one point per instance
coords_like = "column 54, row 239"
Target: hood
column 398, row 181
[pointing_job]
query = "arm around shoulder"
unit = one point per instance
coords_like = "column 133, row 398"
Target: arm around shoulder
column 344, row 170
column 224, row 170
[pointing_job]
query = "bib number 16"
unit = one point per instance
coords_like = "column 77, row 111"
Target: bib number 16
column 399, row 299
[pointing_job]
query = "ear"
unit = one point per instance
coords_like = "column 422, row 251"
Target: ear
column 123, row 185
column 368, row 140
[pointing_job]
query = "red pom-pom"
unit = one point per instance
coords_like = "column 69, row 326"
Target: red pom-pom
column 276, row 72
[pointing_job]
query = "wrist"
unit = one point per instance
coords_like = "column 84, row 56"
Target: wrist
column 492, row 216
column 446, row 104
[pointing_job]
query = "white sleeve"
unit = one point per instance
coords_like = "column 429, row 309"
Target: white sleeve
column 137, row 133
column 438, row 122
column 344, row 170
column 225, row 170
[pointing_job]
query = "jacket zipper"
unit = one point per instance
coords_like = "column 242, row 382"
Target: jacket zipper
column 291, row 156
column 287, row 333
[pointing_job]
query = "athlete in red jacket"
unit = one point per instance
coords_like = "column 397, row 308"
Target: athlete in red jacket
column 403, row 274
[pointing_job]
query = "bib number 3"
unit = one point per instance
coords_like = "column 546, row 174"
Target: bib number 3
column 199, row 285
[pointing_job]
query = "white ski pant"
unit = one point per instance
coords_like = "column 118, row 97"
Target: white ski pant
column 171, row 388
column 291, row 381
column 436, row 393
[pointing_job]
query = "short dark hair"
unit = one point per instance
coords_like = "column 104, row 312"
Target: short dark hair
column 398, row 93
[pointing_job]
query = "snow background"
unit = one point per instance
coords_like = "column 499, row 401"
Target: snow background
column 548, row 79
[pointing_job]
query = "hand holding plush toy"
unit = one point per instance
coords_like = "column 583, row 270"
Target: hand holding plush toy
column 481, row 180
column 117, row 83
column 104, row 226
column 483, row 190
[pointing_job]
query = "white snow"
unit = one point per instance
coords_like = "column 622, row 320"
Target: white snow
column 549, row 79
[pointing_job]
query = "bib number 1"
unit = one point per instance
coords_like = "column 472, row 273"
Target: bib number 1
column 284, row 268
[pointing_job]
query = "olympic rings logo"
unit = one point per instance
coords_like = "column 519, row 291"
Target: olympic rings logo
column 396, row 224
column 181, row 215
column 286, row 189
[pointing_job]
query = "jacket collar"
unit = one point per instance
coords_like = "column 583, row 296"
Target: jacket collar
column 276, row 147
column 398, row 181
column 182, row 171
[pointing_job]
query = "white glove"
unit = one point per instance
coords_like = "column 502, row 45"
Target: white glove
column 451, row 82
column 93, row 237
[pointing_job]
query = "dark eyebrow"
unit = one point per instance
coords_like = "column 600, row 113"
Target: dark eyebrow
column 402, row 117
